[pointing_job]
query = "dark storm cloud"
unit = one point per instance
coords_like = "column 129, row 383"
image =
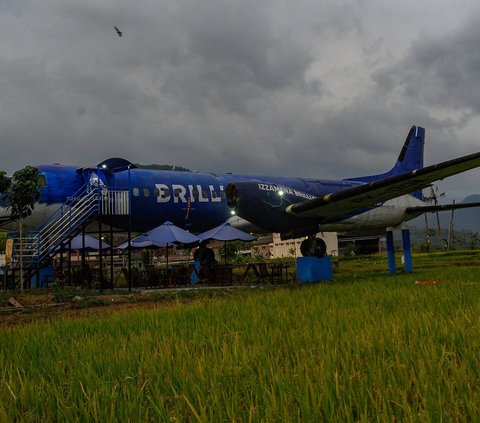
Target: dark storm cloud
column 237, row 38
column 436, row 80
column 182, row 75
column 296, row 88
column 232, row 60
column 442, row 71
column 225, row 79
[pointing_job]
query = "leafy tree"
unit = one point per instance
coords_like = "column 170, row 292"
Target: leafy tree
column 474, row 241
column 230, row 251
column 5, row 182
column 21, row 191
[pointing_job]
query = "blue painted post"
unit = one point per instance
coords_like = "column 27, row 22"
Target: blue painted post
column 390, row 252
column 407, row 252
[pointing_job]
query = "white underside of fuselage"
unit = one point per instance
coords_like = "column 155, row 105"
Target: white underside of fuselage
column 390, row 214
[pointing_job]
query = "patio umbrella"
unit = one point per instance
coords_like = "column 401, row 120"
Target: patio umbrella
column 139, row 241
column 226, row 232
column 167, row 235
column 91, row 244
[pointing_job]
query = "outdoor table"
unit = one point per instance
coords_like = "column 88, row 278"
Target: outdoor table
column 279, row 271
column 274, row 272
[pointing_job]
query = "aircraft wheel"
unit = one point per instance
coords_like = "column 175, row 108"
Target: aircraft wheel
column 313, row 247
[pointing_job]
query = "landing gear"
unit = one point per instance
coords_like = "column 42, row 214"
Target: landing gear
column 313, row 247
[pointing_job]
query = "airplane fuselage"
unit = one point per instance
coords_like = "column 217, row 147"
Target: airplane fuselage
column 294, row 207
column 197, row 200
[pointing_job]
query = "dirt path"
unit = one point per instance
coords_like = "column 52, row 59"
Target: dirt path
column 47, row 305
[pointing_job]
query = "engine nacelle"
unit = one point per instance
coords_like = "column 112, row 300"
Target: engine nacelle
column 264, row 205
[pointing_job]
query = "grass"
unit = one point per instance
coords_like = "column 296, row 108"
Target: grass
column 368, row 347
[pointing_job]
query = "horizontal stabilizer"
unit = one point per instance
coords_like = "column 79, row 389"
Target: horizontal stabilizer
column 443, row 207
column 341, row 203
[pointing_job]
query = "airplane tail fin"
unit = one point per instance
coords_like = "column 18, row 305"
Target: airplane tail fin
column 410, row 158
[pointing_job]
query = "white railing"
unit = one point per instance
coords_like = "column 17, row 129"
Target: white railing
column 115, row 202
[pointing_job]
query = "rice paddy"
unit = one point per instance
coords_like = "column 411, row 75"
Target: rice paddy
column 367, row 347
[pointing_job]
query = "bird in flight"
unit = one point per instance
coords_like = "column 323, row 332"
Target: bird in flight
column 119, row 33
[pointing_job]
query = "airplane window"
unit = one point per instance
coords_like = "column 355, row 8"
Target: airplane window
column 136, row 192
column 42, row 180
column 195, row 194
column 176, row 192
column 156, row 192
column 204, row 193
column 222, row 195
column 146, row 192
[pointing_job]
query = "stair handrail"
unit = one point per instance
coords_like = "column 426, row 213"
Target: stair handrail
column 63, row 222
column 56, row 228
column 70, row 201
column 66, row 227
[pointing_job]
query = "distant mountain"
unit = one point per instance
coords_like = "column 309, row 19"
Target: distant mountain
column 163, row 167
column 463, row 219
column 471, row 198
column 462, row 239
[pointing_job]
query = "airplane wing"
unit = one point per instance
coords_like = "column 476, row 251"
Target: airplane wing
column 341, row 203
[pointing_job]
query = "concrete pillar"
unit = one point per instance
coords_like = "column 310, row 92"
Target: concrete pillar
column 390, row 251
column 407, row 252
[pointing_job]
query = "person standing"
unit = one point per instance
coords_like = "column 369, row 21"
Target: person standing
column 205, row 257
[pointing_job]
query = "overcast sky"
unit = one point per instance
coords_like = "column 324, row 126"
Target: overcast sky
column 323, row 89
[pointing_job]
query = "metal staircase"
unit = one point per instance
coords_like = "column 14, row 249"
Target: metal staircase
column 35, row 247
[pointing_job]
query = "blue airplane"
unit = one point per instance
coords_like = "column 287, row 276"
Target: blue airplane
column 198, row 201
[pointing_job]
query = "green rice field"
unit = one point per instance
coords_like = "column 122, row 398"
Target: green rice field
column 366, row 347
